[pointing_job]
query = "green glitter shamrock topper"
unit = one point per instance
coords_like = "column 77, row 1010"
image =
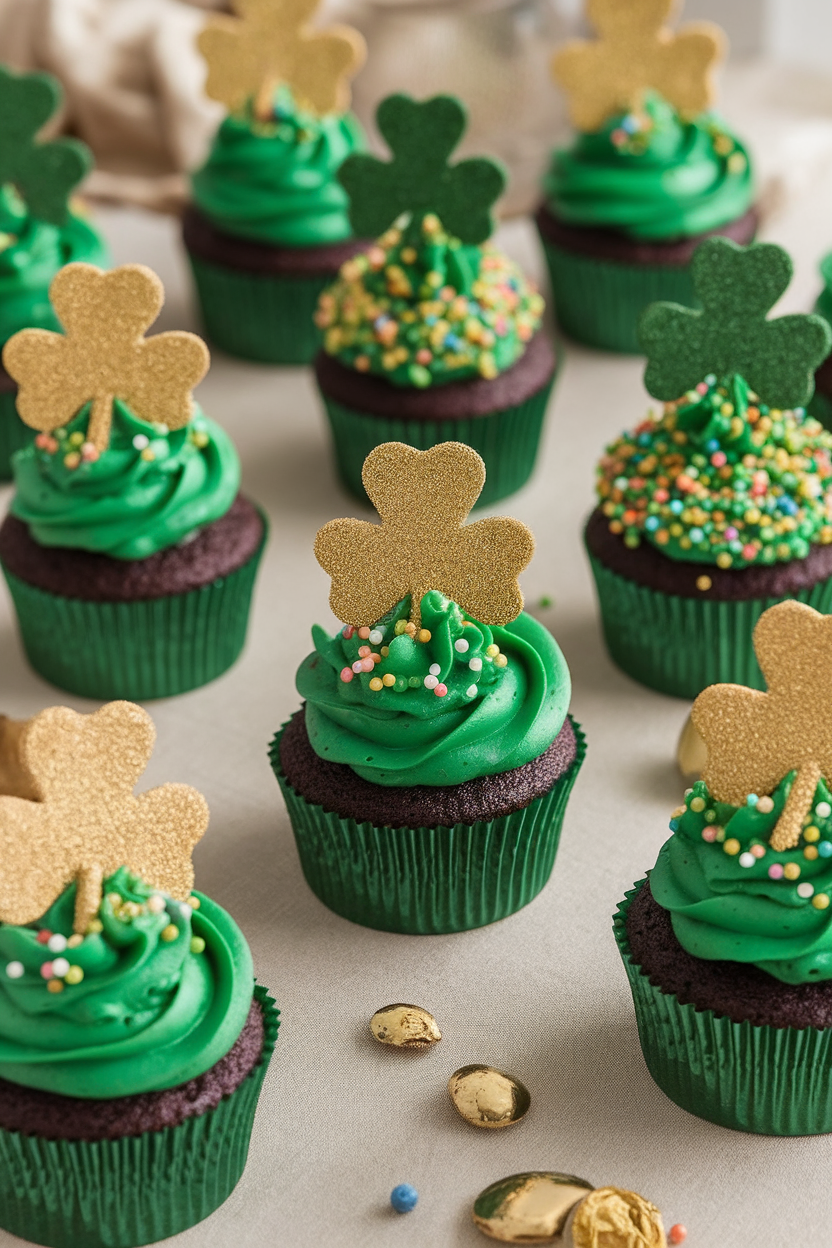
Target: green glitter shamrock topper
column 44, row 173
column 419, row 179
column 730, row 334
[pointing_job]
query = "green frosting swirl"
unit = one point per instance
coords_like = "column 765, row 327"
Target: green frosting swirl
column 152, row 1008
column 31, row 252
column 719, row 477
column 461, row 699
column 733, row 898
column 652, row 175
column 275, row 181
column 149, row 490
column 421, row 308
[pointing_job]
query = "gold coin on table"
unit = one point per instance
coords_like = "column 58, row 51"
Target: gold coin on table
column 486, row 1097
column 405, row 1027
column 530, row 1208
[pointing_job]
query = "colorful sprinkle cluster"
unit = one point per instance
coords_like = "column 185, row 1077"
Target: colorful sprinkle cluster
column 718, row 477
column 420, row 308
column 368, row 659
column 74, row 449
column 631, row 135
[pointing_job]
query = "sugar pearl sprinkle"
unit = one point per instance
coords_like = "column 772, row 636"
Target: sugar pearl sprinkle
column 75, row 452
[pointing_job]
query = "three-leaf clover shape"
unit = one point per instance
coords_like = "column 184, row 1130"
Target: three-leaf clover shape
column 636, row 51
column 44, row 173
column 419, row 179
column 77, row 819
column 730, row 333
column 270, row 42
column 755, row 739
column 422, row 543
column 103, row 355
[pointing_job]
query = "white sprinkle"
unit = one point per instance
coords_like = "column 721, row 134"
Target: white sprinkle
column 746, row 860
column 823, row 810
column 806, row 889
column 475, row 665
column 185, row 910
column 431, row 682
column 57, row 943
column 434, row 669
column 461, row 645
column 60, row 967
column 471, row 691
column 156, row 903
column 141, row 441
column 15, row 970
column 687, row 791
column 376, row 636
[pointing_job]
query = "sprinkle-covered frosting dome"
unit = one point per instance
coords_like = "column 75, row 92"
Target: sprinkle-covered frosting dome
column 718, row 477
column 732, row 897
column 274, row 181
column 153, row 994
column 149, row 490
column 421, row 308
column 652, row 175
column 437, row 704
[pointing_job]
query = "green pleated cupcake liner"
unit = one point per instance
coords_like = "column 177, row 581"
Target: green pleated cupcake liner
column 507, row 440
column 265, row 317
column 766, row 1080
column 599, row 302
column 681, row 645
column 426, row 881
column 14, row 435
column 136, row 1190
column 153, row 648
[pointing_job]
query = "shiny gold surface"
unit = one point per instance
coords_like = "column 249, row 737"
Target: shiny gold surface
column 610, row 1217
column 486, row 1097
column 691, row 753
column 405, row 1027
column 529, row 1208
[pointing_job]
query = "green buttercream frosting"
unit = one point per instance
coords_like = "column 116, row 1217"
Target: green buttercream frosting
column 148, row 1013
column 463, row 699
column 31, row 253
column 274, row 182
column 421, row 308
column 733, row 898
column 719, row 477
column 149, row 490
column 652, row 175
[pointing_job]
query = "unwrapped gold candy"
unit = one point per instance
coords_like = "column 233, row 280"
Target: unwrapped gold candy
column 405, row 1027
column 486, row 1097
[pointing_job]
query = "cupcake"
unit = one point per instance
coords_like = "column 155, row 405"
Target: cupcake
column 268, row 226
column 720, row 504
column 128, row 549
column 433, row 334
column 39, row 232
column 821, row 404
column 728, row 943
column 427, row 772
column 133, row 1039
column 651, row 172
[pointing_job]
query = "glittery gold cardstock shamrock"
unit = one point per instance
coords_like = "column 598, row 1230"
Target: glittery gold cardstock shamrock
column 271, row 42
column 103, row 355
column 83, row 821
column 422, row 543
column 753, row 739
column 636, row 51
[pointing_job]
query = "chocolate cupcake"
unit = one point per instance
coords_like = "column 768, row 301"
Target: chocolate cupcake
column 651, row 173
column 721, row 504
column 432, row 334
column 133, row 1039
column 427, row 773
column 39, row 231
column 268, row 227
column 127, row 536
column 728, row 944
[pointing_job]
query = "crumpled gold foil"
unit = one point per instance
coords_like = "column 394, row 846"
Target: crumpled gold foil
column 611, row 1217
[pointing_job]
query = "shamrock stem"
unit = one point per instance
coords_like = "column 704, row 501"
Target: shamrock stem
column 89, row 884
column 790, row 824
column 101, row 418
column 264, row 100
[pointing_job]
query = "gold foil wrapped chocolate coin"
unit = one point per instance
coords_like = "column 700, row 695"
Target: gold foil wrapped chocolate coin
column 486, row 1097
column 529, row 1208
column 405, row 1027
column 610, row 1217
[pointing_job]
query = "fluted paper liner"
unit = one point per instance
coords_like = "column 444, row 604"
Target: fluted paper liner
column 136, row 1190
column 424, row 881
column 766, row 1080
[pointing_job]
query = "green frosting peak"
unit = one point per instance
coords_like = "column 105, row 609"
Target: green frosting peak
column 275, row 181
column 652, row 175
column 421, row 308
column 733, row 898
column 438, row 705
column 149, row 490
column 154, row 993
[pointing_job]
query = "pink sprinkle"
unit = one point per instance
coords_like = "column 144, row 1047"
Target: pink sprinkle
column 356, row 667
column 731, row 533
column 346, row 675
column 43, row 936
column 775, row 871
column 363, row 633
column 702, row 388
column 424, row 356
column 348, row 631
column 759, row 851
column 749, row 552
column 46, row 970
column 709, row 834
column 363, row 651
column 367, row 665
column 718, row 459
column 441, row 690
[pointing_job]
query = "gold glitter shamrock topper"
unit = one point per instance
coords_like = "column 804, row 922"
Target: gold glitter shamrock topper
column 103, row 355
column 270, row 42
column 69, row 814
column 635, row 51
column 423, row 498
column 755, row 739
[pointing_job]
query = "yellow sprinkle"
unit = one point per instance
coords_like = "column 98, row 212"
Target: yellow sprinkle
column 791, row 870
column 401, row 625
column 376, row 683
column 194, row 902
column 388, row 679
column 500, row 660
column 723, row 559
column 703, row 583
column 74, row 941
column 492, row 650
column 424, row 635
column 810, row 852
column 820, row 901
column 197, row 944
column 385, row 650
column 678, row 812
column 76, row 439
column 74, row 975
column 811, row 833
column 732, row 846
column 697, row 804
column 55, row 985
column 170, row 932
